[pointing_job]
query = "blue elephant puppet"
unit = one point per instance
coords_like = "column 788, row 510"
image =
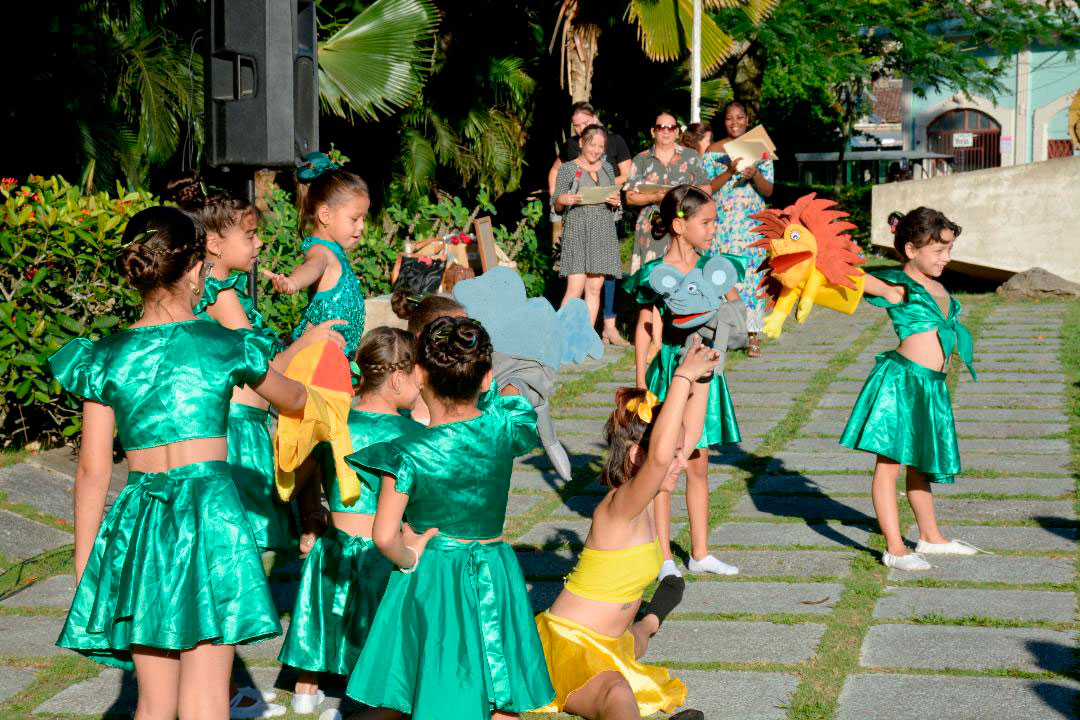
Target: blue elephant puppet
column 698, row 305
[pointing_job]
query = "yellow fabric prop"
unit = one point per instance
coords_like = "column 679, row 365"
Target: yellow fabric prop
column 811, row 260
column 643, row 406
column 322, row 367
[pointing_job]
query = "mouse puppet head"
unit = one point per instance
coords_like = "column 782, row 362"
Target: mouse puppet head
column 694, row 298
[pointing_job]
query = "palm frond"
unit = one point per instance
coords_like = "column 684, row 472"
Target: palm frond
column 664, row 31
column 377, row 62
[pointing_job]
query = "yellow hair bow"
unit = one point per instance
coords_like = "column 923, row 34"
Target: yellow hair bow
column 643, row 406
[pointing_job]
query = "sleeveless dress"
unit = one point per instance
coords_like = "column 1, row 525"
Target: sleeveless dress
column 251, row 450
column 344, row 301
column 175, row 562
column 904, row 411
column 590, row 243
column 344, row 576
column 721, row 427
column 455, row 639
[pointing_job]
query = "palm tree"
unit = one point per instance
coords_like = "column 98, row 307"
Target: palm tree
column 663, row 29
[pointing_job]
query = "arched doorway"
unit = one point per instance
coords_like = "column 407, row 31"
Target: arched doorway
column 972, row 137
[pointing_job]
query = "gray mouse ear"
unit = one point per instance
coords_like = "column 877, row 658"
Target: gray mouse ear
column 720, row 273
column 664, row 279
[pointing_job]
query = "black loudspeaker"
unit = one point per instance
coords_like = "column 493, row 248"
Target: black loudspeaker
column 262, row 88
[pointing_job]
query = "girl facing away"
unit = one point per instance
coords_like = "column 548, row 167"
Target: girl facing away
column 345, row 575
column 903, row 414
column 688, row 216
column 591, row 641
column 171, row 579
column 333, row 206
column 454, row 636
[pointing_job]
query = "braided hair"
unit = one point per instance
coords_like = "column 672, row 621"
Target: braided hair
column 216, row 210
column 160, row 245
column 382, row 352
column 456, row 353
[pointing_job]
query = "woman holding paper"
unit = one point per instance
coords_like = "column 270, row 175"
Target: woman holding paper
column 588, row 199
column 742, row 177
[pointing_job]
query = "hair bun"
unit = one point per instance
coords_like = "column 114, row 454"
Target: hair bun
column 658, row 227
column 404, row 301
column 456, row 352
column 187, row 191
column 140, row 265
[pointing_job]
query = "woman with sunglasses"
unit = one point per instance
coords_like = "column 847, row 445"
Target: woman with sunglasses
column 656, row 170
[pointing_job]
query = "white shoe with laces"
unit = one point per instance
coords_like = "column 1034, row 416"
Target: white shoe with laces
column 910, row 561
column 305, row 704
column 711, row 564
column 953, row 547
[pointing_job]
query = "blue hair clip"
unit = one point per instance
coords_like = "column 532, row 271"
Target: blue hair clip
column 313, row 165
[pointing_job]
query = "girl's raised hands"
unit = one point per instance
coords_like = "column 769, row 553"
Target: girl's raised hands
column 699, row 360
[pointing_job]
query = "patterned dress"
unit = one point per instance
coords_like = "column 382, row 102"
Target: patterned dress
column 590, row 243
column 685, row 168
column 735, row 203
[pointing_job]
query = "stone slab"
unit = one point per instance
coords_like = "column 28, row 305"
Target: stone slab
column 1035, row 387
column 531, row 479
column 825, row 484
column 1029, row 605
column 807, row 507
column 708, row 596
column 571, row 532
column 1012, row 569
column 752, row 375
column 1017, row 446
column 984, row 510
column 951, row 696
column 43, row 490
column 521, row 504
column 705, row 641
column 21, row 538
column 938, row 647
column 1017, row 464
column 584, row 505
column 265, row 650
column 13, row 680
column 1009, row 430
column 54, row 592
column 990, row 399
column 840, row 461
column 571, row 412
column 789, row 534
column 739, row 695
column 1009, row 538
column 1012, row 415
column 30, row 637
column 799, row 563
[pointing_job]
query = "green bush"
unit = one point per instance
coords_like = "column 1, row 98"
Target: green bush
column 58, row 281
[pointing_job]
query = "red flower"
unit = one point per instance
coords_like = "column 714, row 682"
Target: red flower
column 8, row 182
column 765, row 155
column 36, row 198
column 25, row 193
column 30, row 273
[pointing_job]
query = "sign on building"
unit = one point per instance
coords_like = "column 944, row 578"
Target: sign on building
column 963, row 140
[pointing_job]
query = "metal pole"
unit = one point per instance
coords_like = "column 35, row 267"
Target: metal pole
column 695, row 65
column 254, row 274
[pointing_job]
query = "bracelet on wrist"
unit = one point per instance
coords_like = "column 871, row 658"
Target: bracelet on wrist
column 416, row 561
column 684, row 377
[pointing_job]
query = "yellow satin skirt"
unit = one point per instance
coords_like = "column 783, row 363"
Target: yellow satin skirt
column 575, row 655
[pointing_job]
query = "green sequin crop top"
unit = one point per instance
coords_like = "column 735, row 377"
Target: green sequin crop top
column 237, row 282
column 165, row 383
column 920, row 312
column 364, row 429
column 457, row 476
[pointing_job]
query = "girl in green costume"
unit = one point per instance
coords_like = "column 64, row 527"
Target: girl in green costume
column 344, row 576
column 903, row 414
column 454, row 636
column 688, row 216
column 232, row 245
column 171, row 579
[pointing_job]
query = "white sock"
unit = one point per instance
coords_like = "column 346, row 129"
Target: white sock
column 711, row 564
column 668, row 568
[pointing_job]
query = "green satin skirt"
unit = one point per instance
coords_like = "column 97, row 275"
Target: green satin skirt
column 721, row 427
column 455, row 639
column 174, row 565
column 904, row 413
column 251, row 455
column 343, row 579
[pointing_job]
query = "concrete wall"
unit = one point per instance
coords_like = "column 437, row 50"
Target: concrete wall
column 1013, row 218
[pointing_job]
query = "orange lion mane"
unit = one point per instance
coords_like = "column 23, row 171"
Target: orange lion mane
column 837, row 254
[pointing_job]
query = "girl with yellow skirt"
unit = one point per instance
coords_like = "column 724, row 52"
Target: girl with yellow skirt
column 591, row 642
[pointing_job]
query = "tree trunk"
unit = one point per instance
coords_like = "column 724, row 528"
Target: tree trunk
column 580, row 52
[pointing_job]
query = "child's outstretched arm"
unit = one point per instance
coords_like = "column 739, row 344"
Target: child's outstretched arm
column 305, row 276
column 893, row 293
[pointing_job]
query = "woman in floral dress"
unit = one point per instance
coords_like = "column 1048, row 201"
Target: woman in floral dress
column 739, row 193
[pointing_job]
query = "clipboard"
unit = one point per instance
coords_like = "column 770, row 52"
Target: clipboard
column 650, row 188
column 752, row 147
column 596, row 195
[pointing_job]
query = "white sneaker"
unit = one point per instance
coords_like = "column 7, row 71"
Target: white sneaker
column 953, row 547
column 909, row 562
column 710, row 564
column 305, row 704
column 332, row 714
column 668, row 568
column 257, row 694
column 258, row 709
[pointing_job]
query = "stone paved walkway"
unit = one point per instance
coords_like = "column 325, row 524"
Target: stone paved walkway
column 814, row 626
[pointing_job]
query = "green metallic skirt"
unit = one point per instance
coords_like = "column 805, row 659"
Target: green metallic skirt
column 343, row 579
column 174, row 565
column 721, row 427
column 456, row 639
column 904, row 413
column 251, row 455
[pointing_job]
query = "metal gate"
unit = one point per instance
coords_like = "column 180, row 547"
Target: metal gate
column 972, row 137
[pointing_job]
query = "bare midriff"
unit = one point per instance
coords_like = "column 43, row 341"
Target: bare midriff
column 611, row 619
column 178, row 454
column 924, row 349
column 354, row 524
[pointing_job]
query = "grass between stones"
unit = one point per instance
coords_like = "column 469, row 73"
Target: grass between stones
column 52, row 676
column 1069, row 355
column 19, row 576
